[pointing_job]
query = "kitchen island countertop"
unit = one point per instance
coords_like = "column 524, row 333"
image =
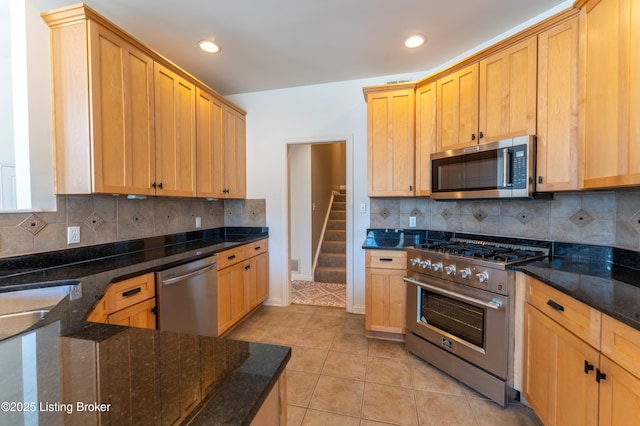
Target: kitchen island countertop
column 72, row 371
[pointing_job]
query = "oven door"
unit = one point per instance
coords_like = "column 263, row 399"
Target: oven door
column 468, row 322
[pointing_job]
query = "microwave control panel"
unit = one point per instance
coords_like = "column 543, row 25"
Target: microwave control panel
column 520, row 178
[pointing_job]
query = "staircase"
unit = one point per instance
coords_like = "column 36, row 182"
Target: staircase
column 332, row 260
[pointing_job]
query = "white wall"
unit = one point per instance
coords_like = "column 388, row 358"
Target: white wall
column 300, row 184
column 325, row 112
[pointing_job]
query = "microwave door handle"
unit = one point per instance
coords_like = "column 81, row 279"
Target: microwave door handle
column 505, row 167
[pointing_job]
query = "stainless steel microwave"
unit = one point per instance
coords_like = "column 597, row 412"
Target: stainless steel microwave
column 502, row 169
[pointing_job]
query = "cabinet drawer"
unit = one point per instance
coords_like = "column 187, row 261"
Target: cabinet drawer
column 386, row 259
column 573, row 315
column 126, row 293
column 621, row 344
column 255, row 248
column 231, row 256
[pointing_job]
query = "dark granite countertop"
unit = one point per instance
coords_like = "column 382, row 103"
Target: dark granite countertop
column 70, row 360
column 605, row 278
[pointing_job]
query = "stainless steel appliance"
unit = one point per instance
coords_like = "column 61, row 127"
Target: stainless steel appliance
column 187, row 298
column 460, row 312
column 502, row 169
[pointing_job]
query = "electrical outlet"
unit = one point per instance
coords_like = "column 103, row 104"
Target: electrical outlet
column 412, row 221
column 198, row 222
column 363, row 207
column 73, row 234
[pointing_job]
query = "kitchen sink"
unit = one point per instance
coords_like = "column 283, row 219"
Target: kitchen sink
column 12, row 324
column 21, row 309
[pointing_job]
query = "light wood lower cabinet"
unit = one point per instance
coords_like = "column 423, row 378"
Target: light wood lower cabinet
column 274, row 408
column 131, row 302
column 243, row 282
column 577, row 371
column 555, row 382
column 385, row 294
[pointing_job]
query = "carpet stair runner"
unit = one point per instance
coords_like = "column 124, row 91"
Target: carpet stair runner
column 332, row 260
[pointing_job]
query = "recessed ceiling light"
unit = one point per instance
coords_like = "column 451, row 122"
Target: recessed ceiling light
column 209, row 46
column 414, row 41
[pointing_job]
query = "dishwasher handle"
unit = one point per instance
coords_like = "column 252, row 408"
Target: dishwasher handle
column 189, row 275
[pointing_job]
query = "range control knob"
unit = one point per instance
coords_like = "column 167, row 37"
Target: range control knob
column 415, row 261
column 426, row 264
column 465, row 273
column 437, row 266
column 450, row 269
column 482, row 276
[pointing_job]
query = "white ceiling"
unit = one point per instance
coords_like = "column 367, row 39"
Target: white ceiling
column 271, row 44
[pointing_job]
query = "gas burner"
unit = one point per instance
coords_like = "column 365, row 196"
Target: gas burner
column 501, row 253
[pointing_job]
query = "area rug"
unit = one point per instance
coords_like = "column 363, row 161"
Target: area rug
column 317, row 293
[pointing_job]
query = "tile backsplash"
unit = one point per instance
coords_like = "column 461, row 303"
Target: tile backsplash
column 610, row 218
column 106, row 218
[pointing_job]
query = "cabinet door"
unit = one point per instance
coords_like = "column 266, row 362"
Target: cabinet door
column 385, row 300
column 457, row 111
column 139, row 315
column 231, row 296
column 391, row 140
column 175, row 104
column 555, row 382
column 425, row 136
column 508, row 92
column 557, row 135
column 257, row 278
column 612, row 94
column 235, row 174
column 210, row 162
column 122, row 115
column 619, row 395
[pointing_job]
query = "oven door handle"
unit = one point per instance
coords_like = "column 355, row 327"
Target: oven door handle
column 493, row 304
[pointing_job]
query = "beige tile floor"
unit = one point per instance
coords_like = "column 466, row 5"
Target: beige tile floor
column 336, row 376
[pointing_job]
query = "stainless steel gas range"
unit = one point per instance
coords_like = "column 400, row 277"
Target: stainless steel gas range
column 459, row 312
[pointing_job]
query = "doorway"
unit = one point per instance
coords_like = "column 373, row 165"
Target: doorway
column 317, row 191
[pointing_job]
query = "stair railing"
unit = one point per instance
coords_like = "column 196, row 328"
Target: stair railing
column 324, row 228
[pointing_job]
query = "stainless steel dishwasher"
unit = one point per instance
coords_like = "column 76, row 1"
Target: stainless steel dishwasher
column 187, row 298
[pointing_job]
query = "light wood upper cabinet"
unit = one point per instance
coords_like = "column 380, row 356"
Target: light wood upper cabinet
column 220, row 147
column 175, row 103
column 234, row 167
column 557, row 134
column 125, row 118
column 425, row 136
column 103, row 111
column 489, row 100
column 209, row 145
column 390, row 140
column 609, row 123
column 457, row 109
column 508, row 92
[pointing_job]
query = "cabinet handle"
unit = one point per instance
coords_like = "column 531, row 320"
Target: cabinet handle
column 481, row 135
column 258, row 248
column 587, row 367
column 556, row 306
column 160, row 185
column 246, row 268
column 410, row 187
column 473, row 136
column 386, row 259
column 153, row 185
column 154, row 310
column 539, row 179
column 233, row 256
column 131, row 292
column 600, row 375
